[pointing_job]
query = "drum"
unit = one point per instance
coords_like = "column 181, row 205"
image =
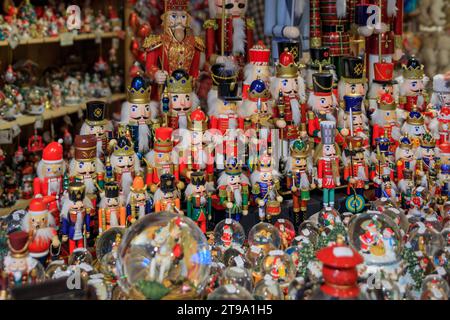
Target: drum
column 273, row 208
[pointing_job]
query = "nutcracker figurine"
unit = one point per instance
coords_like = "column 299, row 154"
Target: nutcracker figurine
column 327, row 158
column 352, row 82
column 50, row 172
column 405, row 187
column 176, row 47
column 265, row 188
column 444, row 171
column 382, row 83
column 96, row 123
column 76, row 216
column 299, row 178
column 111, row 212
column 258, row 67
column 384, row 121
column 124, row 164
column 199, row 204
column 414, row 127
column 182, row 99
column 441, row 92
column 404, row 157
column 85, row 167
column 352, row 120
column 412, row 86
column 439, row 125
column 167, row 197
column 382, row 164
column 233, row 189
column 287, row 22
column 138, row 203
column 229, row 32
column 426, row 164
column 137, row 114
column 356, row 166
column 320, row 61
column 39, row 222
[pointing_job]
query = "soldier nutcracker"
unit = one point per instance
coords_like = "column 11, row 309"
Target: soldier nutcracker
column 439, row 126
column 96, row 123
column 233, row 189
column 320, row 61
column 265, row 188
column 412, row 86
column 76, row 217
column 258, row 67
column 229, row 32
column 404, row 157
column 39, row 222
column 384, row 121
column 405, row 187
column 287, row 21
column 300, row 178
column 356, row 166
column 444, row 171
column 85, row 167
column 352, row 82
column 137, row 114
column 352, row 120
column 176, row 47
column 327, row 159
column 138, row 203
column 382, row 164
column 50, row 172
column 167, row 196
column 382, row 83
column 111, row 212
column 199, row 204
column 427, row 164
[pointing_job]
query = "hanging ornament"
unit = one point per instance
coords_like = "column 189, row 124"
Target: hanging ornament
column 144, row 30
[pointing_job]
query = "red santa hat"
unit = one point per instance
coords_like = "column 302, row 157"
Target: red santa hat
column 53, row 152
column 389, row 231
column 37, row 206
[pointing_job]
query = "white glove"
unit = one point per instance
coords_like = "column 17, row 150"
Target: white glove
column 160, row 77
column 291, row 32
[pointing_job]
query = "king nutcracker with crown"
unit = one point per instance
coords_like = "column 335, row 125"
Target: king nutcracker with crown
column 111, row 212
column 229, row 32
column 76, row 217
column 199, row 202
column 412, row 86
column 176, row 47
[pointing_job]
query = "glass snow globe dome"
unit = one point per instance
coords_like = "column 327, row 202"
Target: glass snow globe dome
column 265, row 236
column 163, row 256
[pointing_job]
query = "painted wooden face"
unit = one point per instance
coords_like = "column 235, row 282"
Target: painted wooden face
column 180, row 103
column 329, row 150
column 177, row 19
column 139, row 112
column 232, row 7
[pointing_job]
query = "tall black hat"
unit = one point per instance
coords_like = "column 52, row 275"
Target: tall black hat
column 353, row 69
column 167, row 182
column 111, row 190
column 323, row 83
column 95, row 113
column 294, row 47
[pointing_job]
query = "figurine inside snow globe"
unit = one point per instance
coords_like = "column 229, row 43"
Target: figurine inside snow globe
column 229, row 233
column 287, row 232
column 279, row 266
column 268, row 289
column 435, row 287
column 425, row 241
column 37, row 99
column 238, row 276
column 265, row 236
column 163, row 256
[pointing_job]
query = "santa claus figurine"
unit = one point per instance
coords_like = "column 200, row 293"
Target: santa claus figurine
column 50, row 172
column 199, row 203
column 138, row 203
column 111, row 212
column 167, row 196
column 258, row 67
column 38, row 221
column 381, row 84
column 412, row 85
column 76, row 216
column 384, row 121
column 96, row 123
column 229, row 32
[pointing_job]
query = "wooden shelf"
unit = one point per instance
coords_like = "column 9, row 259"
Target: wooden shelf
column 21, row 204
column 80, row 37
column 56, row 113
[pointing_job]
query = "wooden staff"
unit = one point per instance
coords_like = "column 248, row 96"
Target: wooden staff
column 222, row 35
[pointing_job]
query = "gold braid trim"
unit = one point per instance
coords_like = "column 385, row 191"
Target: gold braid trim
column 210, row 23
column 199, row 44
column 250, row 22
column 153, row 41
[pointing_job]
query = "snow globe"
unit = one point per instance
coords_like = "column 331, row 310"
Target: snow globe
column 228, row 233
column 265, row 236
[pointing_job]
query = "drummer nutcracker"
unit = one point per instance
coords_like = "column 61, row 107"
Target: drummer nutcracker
column 76, row 217
column 258, row 67
column 412, row 86
column 111, row 212
column 356, row 166
column 327, row 158
column 384, row 121
column 176, row 47
column 138, row 203
column 265, row 188
column 96, row 123
column 382, row 83
column 50, row 172
column 199, row 205
column 85, row 167
column 229, row 32
column 167, row 196
column 233, row 189
column 300, row 178
column 137, row 114
column 40, row 224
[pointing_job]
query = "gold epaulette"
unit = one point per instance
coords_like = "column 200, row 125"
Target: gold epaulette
column 402, row 99
column 210, row 23
column 255, row 189
column 250, row 23
column 199, row 44
column 153, row 41
column 311, row 115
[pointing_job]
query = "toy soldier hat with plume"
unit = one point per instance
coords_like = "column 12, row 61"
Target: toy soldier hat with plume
column 76, row 191
column 384, row 72
column 18, row 242
column 95, row 113
column 294, row 47
column 299, row 149
column 197, row 120
column 259, row 54
column 415, row 117
column 353, row 71
column 180, row 82
column 258, row 91
column 322, row 84
column 328, row 132
column 53, row 152
column 163, row 139
column 386, row 102
column 233, row 167
column 320, row 59
column 138, row 91
column 353, row 104
column 427, row 141
column 122, row 146
column 138, row 185
column 167, row 182
column 198, row 178
column 413, row 69
column 176, row 5
column 405, row 142
column 111, row 189
column 440, row 84
column 286, row 67
column 85, row 147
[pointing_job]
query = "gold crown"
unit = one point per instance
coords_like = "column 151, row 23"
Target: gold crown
column 415, row 117
column 76, row 191
column 122, row 147
column 137, row 92
column 197, row 120
column 386, row 105
column 183, row 85
column 413, row 73
column 289, row 71
column 299, row 149
column 427, row 141
column 233, row 167
column 405, row 142
column 110, row 187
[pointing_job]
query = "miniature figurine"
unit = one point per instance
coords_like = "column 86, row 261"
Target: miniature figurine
column 352, row 119
column 138, row 203
column 381, row 84
column 72, row 90
column 412, row 86
column 439, row 125
column 57, row 99
column 257, row 67
column 199, row 205
column 111, row 212
column 167, row 196
column 414, row 127
column 352, row 82
column 382, row 164
column 385, row 122
column 356, row 166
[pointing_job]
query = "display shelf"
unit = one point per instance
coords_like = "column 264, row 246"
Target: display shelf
column 21, row 204
column 80, row 37
column 56, row 113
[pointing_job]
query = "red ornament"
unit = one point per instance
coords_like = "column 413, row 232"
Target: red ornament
column 141, row 56
column 133, row 21
column 286, row 58
column 144, row 30
column 134, row 47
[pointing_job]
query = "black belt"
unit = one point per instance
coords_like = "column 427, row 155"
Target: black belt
column 335, row 28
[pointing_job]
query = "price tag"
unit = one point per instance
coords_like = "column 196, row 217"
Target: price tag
column 281, row 220
column 276, row 253
column 228, row 221
column 98, row 36
column 66, row 39
column 15, row 130
column 39, row 123
column 5, row 137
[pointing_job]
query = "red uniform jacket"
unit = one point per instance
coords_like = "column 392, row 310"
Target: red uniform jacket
column 325, row 172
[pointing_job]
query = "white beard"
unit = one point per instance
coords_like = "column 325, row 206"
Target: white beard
column 239, row 38
column 237, row 196
column 362, row 173
column 99, row 148
column 304, row 181
column 141, row 211
column 44, row 234
column 127, row 180
column 296, row 115
column 90, row 186
column 182, row 121
column 144, row 138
